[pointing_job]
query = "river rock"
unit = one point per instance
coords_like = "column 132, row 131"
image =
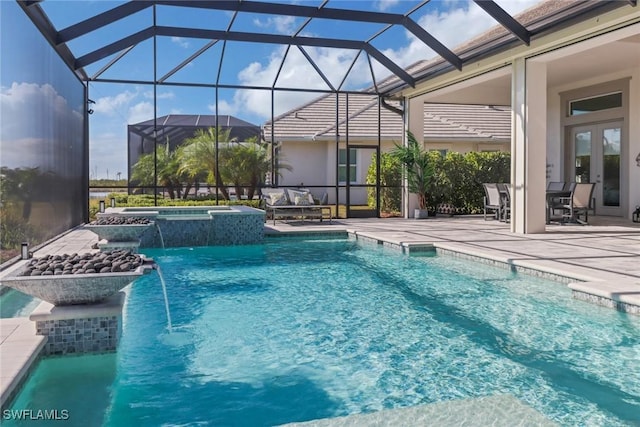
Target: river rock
column 100, row 262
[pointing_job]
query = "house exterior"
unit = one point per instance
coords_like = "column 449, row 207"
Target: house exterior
column 307, row 140
column 574, row 95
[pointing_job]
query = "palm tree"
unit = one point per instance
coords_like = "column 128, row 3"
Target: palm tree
column 418, row 168
column 166, row 164
column 244, row 165
column 198, row 156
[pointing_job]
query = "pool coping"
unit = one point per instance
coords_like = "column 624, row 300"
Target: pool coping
column 20, row 349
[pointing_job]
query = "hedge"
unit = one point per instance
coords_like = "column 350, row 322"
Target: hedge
column 458, row 179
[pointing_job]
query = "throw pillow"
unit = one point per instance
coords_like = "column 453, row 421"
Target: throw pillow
column 302, row 200
column 278, row 199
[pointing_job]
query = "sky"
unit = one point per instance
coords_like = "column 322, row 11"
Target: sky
column 116, row 105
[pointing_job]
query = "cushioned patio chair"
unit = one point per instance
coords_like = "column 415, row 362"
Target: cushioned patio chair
column 505, row 200
column 578, row 204
column 555, row 186
column 492, row 200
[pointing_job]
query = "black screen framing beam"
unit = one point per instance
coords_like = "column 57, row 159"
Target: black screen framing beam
column 325, row 13
column 42, row 23
column 243, row 37
column 100, row 20
column 505, row 20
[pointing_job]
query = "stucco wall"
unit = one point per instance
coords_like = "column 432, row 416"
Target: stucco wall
column 314, row 164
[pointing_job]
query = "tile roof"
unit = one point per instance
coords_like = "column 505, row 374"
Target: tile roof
column 317, row 121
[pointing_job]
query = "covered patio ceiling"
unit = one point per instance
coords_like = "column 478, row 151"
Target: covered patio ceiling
column 92, row 46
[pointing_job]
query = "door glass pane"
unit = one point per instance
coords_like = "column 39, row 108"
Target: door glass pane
column 342, row 165
column 611, row 167
column 583, row 156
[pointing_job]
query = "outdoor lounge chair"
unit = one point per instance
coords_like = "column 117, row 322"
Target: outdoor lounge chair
column 579, row 203
column 555, row 186
column 505, row 200
column 288, row 203
column 492, row 200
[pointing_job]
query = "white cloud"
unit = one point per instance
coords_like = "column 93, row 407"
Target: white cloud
column 452, row 28
column 281, row 24
column 112, row 105
column 383, row 5
column 140, row 112
column 160, row 95
column 514, row 7
column 296, row 73
column 224, row 108
column 180, row 42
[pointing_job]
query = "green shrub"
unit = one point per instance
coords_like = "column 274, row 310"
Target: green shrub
column 14, row 230
column 457, row 179
column 390, row 183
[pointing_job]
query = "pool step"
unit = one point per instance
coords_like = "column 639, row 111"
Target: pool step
column 496, row 411
column 19, row 349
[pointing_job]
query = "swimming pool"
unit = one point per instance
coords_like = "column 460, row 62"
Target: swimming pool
column 298, row 330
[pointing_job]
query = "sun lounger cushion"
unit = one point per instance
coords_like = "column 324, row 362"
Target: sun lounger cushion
column 300, row 198
column 278, row 199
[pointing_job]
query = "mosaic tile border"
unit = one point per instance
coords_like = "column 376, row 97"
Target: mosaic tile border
column 367, row 240
column 80, row 336
column 606, row 302
column 507, row 266
column 305, row 234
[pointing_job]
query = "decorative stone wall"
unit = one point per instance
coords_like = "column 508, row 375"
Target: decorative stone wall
column 238, row 226
column 236, row 229
column 77, row 336
column 80, row 329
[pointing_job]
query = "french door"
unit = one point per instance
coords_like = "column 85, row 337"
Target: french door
column 596, row 152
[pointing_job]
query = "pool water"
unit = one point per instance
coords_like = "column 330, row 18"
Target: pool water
column 16, row 304
column 299, row 330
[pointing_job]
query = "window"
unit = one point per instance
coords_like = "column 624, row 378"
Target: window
column 342, row 165
column 443, row 151
column 596, row 103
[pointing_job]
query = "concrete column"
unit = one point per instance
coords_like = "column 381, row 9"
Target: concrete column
column 414, row 122
column 528, row 146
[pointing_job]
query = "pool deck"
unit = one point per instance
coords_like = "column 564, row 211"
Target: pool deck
column 600, row 260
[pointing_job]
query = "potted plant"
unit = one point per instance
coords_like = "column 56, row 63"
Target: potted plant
column 419, row 171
